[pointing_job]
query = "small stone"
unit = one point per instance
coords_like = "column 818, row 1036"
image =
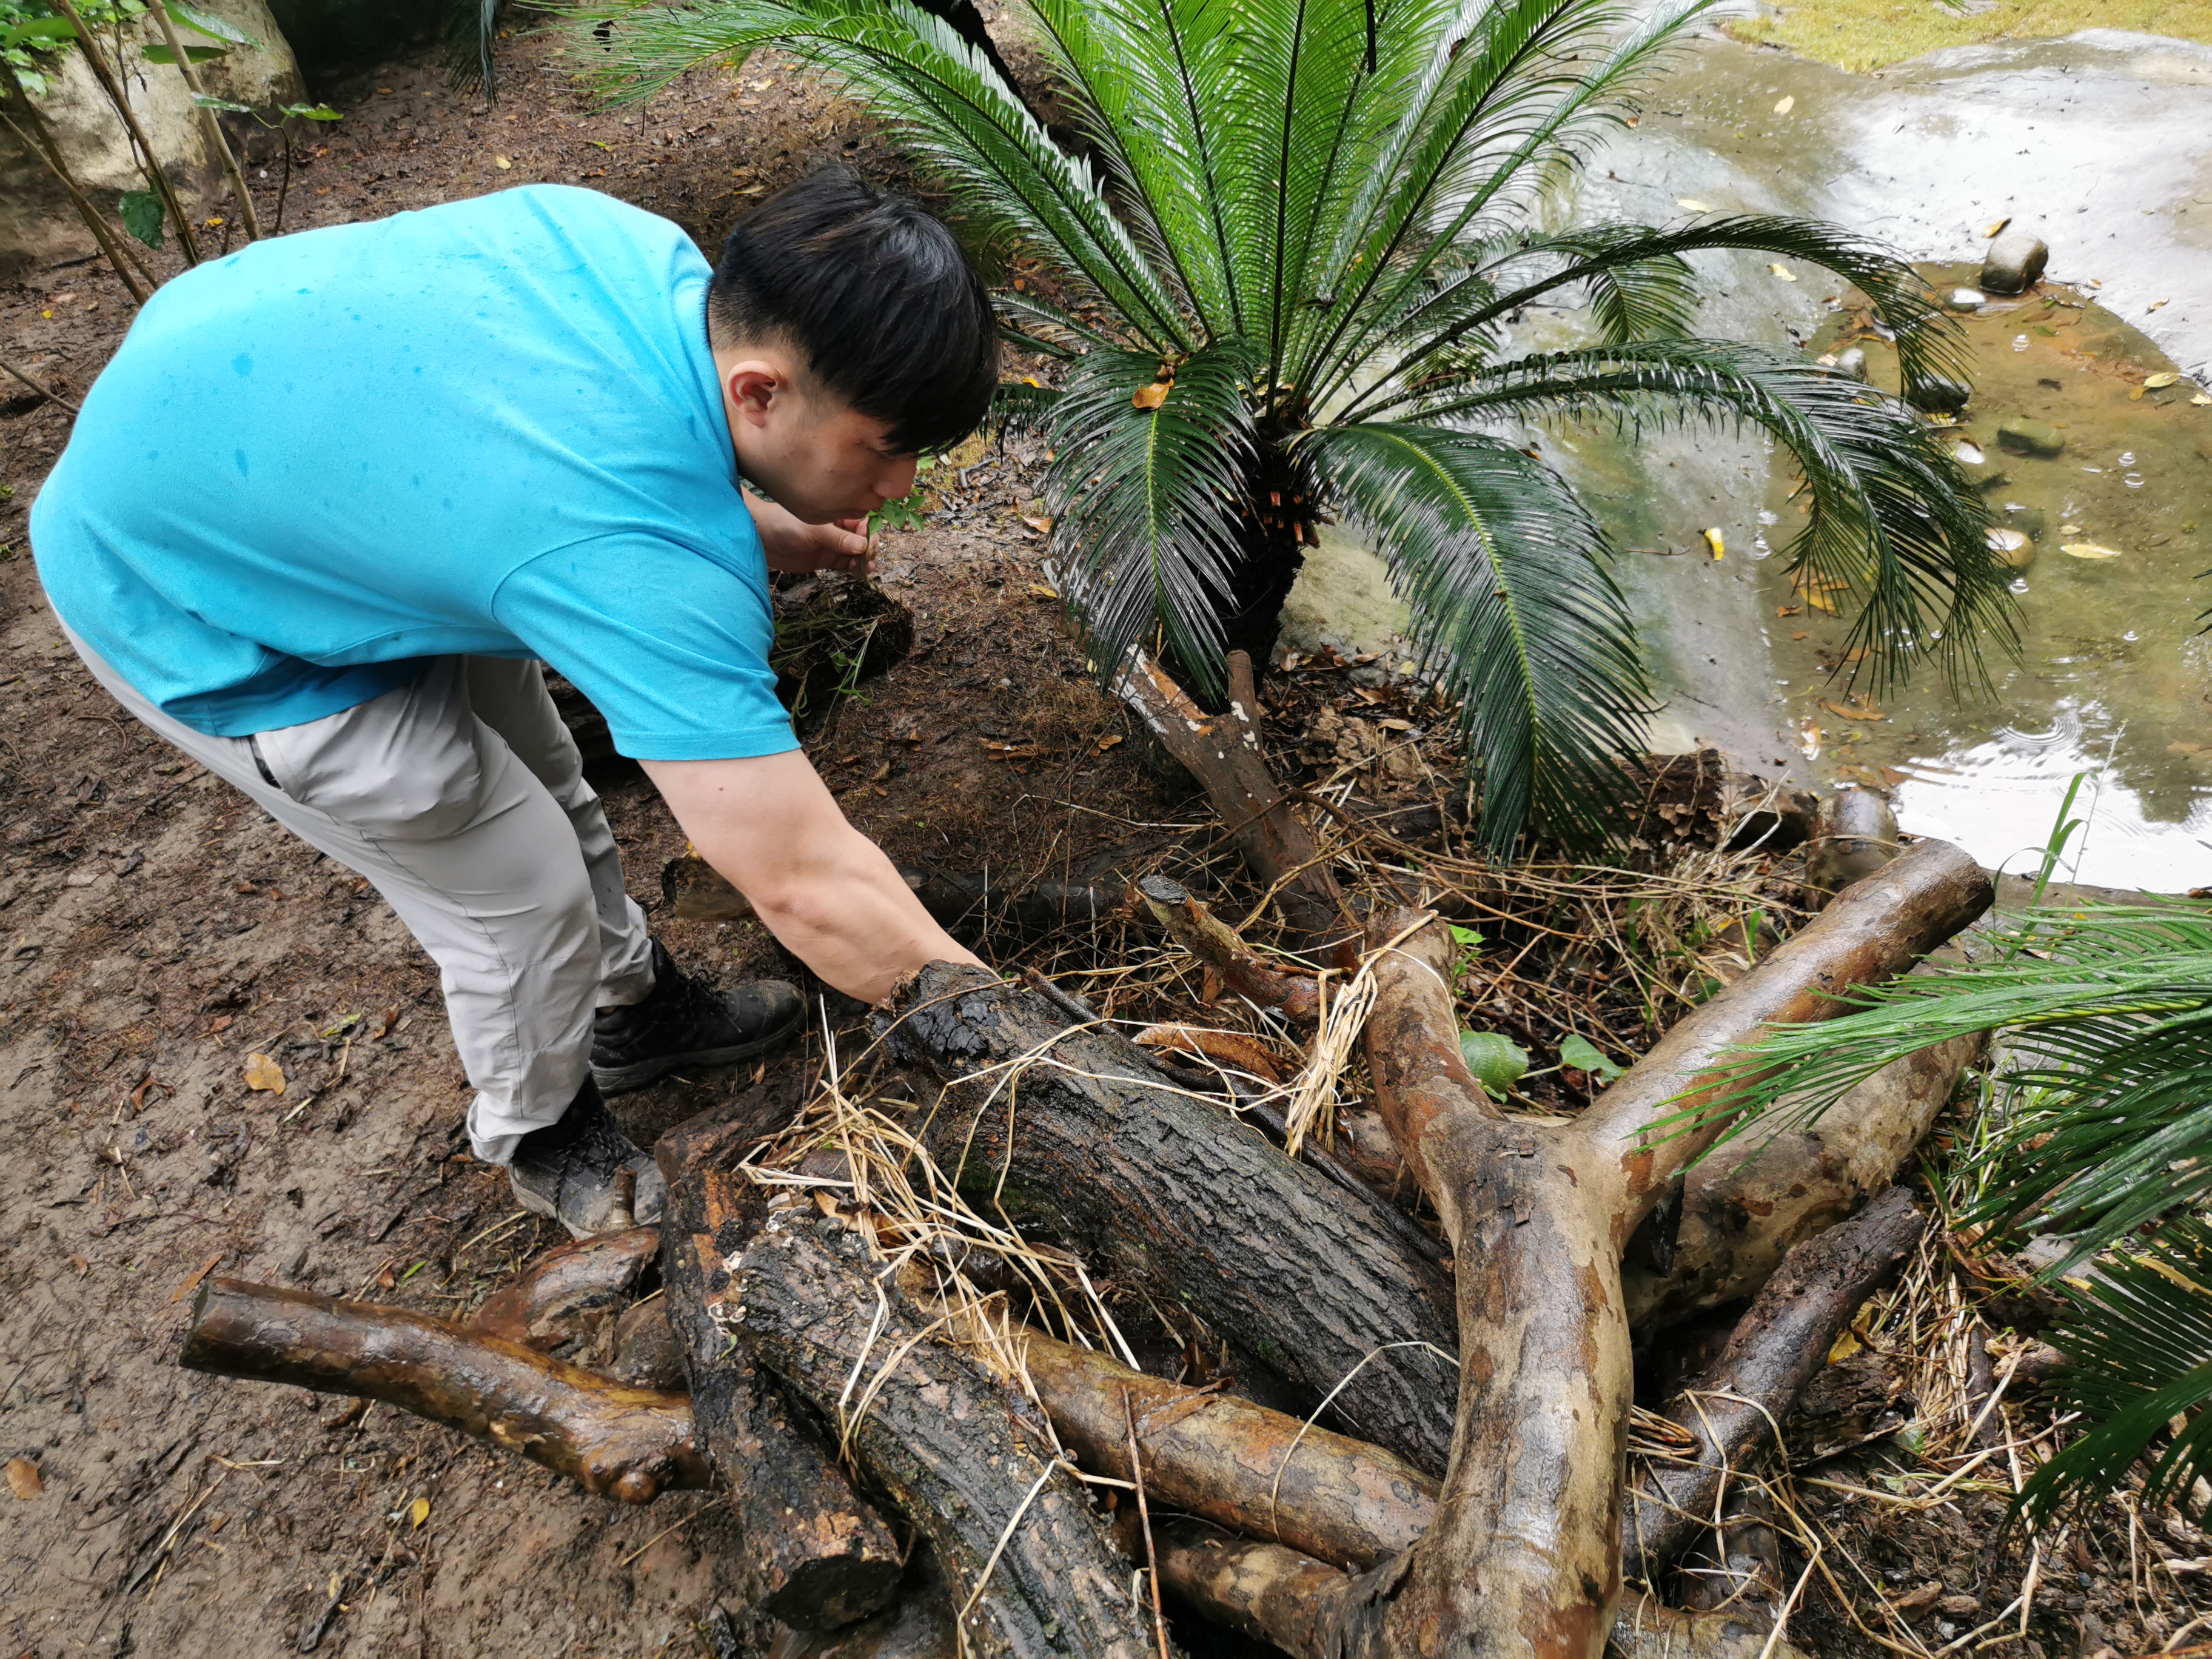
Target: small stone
column 2014, row 262
column 1968, row 299
column 2028, row 520
column 1985, row 475
column 2014, row 549
column 1852, row 362
column 2023, row 435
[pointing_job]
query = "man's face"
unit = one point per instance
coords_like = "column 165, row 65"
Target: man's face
column 800, row 444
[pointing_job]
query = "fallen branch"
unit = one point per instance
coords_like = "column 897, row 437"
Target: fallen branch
column 1223, row 753
column 631, row 1443
column 1526, row 1554
column 1075, row 1129
column 1739, row 1402
column 1032, row 1568
column 1725, row 1229
column 813, row 1553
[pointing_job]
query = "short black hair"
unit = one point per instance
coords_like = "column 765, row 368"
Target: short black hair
column 877, row 293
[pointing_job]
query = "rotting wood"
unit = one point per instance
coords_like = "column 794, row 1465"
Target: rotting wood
column 566, row 1295
column 719, row 1136
column 1279, row 1596
column 631, row 1443
column 1525, row 1557
column 1725, row 1228
column 1223, row 753
column 1783, row 1338
column 1034, row 1572
column 813, row 1553
column 1073, row 1130
column 1191, row 924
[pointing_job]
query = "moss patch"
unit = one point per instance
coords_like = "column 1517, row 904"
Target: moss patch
column 1870, row 34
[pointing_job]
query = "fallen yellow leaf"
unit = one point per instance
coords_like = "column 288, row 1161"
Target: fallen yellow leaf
column 264, row 1075
column 1784, row 272
column 1785, row 105
column 193, row 1283
column 1821, row 602
column 23, row 1478
column 2154, row 305
column 1041, row 526
column 2160, row 382
column 1694, row 206
column 1152, row 396
column 1853, row 711
column 1713, row 540
column 1842, row 1348
column 2089, row 550
column 502, row 162
column 1997, row 230
column 1039, row 591
column 2202, row 398
column 418, row 1511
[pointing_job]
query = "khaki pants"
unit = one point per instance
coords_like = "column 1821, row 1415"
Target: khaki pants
column 461, row 796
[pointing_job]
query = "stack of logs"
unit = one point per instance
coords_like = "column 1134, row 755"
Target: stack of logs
column 1466, row 1488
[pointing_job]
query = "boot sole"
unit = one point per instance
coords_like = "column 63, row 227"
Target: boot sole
column 621, row 1079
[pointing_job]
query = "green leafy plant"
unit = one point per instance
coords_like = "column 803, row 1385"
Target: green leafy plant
column 1282, row 279
column 1497, row 1061
column 1579, row 1052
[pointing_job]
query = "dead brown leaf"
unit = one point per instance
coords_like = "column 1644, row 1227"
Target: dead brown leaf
column 1152, row 396
column 23, row 1479
column 264, row 1075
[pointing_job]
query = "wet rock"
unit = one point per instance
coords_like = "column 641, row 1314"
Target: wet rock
column 2014, row 262
column 2014, row 550
column 1852, row 362
column 1854, row 835
column 1968, row 299
column 2023, row 435
column 1984, row 474
column 2030, row 521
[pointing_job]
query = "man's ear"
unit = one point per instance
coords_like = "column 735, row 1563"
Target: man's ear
column 753, row 388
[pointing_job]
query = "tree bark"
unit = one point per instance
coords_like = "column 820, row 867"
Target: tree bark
column 1073, row 1130
column 1214, row 1456
column 567, row 1293
column 1223, row 753
column 1525, row 1558
column 1781, row 1340
column 1033, row 1570
column 1725, row 1228
column 814, row 1553
column 631, row 1443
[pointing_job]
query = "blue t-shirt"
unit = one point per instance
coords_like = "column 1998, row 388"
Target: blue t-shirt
column 491, row 428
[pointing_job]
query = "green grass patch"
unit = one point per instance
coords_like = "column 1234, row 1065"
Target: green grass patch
column 1871, row 34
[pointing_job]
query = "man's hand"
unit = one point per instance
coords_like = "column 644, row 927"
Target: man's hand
column 793, row 544
column 823, row 889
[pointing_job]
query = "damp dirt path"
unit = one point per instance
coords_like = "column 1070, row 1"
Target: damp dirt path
column 156, row 929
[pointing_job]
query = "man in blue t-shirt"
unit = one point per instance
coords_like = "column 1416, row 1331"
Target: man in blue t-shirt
column 339, row 496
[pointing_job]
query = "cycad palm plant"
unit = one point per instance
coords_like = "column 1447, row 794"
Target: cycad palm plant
column 2102, row 1133
column 1284, row 273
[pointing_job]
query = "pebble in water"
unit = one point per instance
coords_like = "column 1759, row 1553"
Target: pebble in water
column 2022, row 435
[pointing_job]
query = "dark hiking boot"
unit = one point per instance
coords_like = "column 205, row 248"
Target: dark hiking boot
column 585, row 1172
column 684, row 1023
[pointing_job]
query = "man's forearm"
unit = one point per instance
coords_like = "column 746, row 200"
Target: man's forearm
column 853, row 920
column 824, row 890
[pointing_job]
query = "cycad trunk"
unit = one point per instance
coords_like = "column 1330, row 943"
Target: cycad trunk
column 1271, row 535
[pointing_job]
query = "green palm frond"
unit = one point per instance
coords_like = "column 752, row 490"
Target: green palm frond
column 1641, row 288
column 1504, row 571
column 1154, row 541
column 1892, row 522
column 946, row 103
column 2138, row 1348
